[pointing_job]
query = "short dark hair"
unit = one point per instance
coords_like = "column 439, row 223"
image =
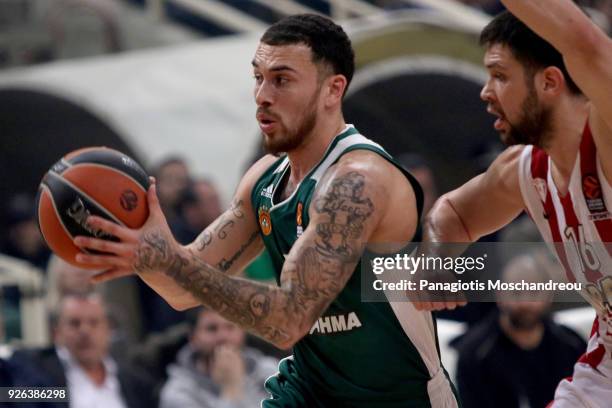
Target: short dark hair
column 527, row 47
column 327, row 40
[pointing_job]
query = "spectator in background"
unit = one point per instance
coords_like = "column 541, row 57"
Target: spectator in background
column 215, row 370
column 173, row 179
column 24, row 240
column 422, row 171
column 80, row 360
column 516, row 358
column 124, row 312
column 198, row 206
column 65, row 279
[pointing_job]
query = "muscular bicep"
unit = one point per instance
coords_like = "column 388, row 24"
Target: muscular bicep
column 482, row 205
column 343, row 214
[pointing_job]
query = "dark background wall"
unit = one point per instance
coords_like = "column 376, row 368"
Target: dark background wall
column 37, row 129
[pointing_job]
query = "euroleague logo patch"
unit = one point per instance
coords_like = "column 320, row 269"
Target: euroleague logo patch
column 128, row 200
column 591, row 187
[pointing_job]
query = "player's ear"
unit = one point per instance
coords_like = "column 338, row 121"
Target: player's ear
column 551, row 81
column 335, row 86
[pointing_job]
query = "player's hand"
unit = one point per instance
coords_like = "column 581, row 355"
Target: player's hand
column 143, row 250
column 148, row 251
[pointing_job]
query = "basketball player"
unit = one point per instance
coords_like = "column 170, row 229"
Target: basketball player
column 316, row 210
column 559, row 168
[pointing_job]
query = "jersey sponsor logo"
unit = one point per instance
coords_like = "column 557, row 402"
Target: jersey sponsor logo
column 298, row 219
column 600, row 216
column 264, row 220
column 267, row 192
column 336, row 324
column 594, row 197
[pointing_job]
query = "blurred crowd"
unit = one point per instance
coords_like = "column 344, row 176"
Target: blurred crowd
column 33, row 31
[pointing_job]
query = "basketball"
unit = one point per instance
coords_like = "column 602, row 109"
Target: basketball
column 90, row 181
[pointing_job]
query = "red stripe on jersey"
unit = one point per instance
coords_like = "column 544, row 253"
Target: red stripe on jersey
column 539, row 163
column 588, row 167
column 595, row 328
column 593, row 358
column 539, row 170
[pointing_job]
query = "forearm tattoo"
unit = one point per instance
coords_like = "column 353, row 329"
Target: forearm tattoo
column 313, row 275
column 225, row 264
column 222, row 226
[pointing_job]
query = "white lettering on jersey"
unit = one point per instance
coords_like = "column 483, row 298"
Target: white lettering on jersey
column 335, row 324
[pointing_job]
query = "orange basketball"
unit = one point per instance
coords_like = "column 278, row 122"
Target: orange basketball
column 91, row 181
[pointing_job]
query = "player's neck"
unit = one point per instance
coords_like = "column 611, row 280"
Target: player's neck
column 569, row 120
column 307, row 155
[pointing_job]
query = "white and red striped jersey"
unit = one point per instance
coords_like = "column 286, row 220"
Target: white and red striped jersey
column 578, row 228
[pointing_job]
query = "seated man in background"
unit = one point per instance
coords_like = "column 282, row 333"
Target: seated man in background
column 80, row 360
column 215, row 370
column 120, row 297
column 516, row 358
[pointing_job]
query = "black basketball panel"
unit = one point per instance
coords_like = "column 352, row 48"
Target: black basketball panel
column 116, row 160
column 73, row 207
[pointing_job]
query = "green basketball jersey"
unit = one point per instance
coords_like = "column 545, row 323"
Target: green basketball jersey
column 357, row 354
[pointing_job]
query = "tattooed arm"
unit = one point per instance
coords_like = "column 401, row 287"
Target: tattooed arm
column 343, row 214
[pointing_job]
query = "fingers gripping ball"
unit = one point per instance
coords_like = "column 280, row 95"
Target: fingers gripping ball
column 91, row 181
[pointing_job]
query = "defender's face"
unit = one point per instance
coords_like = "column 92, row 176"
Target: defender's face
column 511, row 96
column 287, row 90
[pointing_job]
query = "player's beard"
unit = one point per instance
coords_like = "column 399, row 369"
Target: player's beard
column 291, row 139
column 534, row 127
